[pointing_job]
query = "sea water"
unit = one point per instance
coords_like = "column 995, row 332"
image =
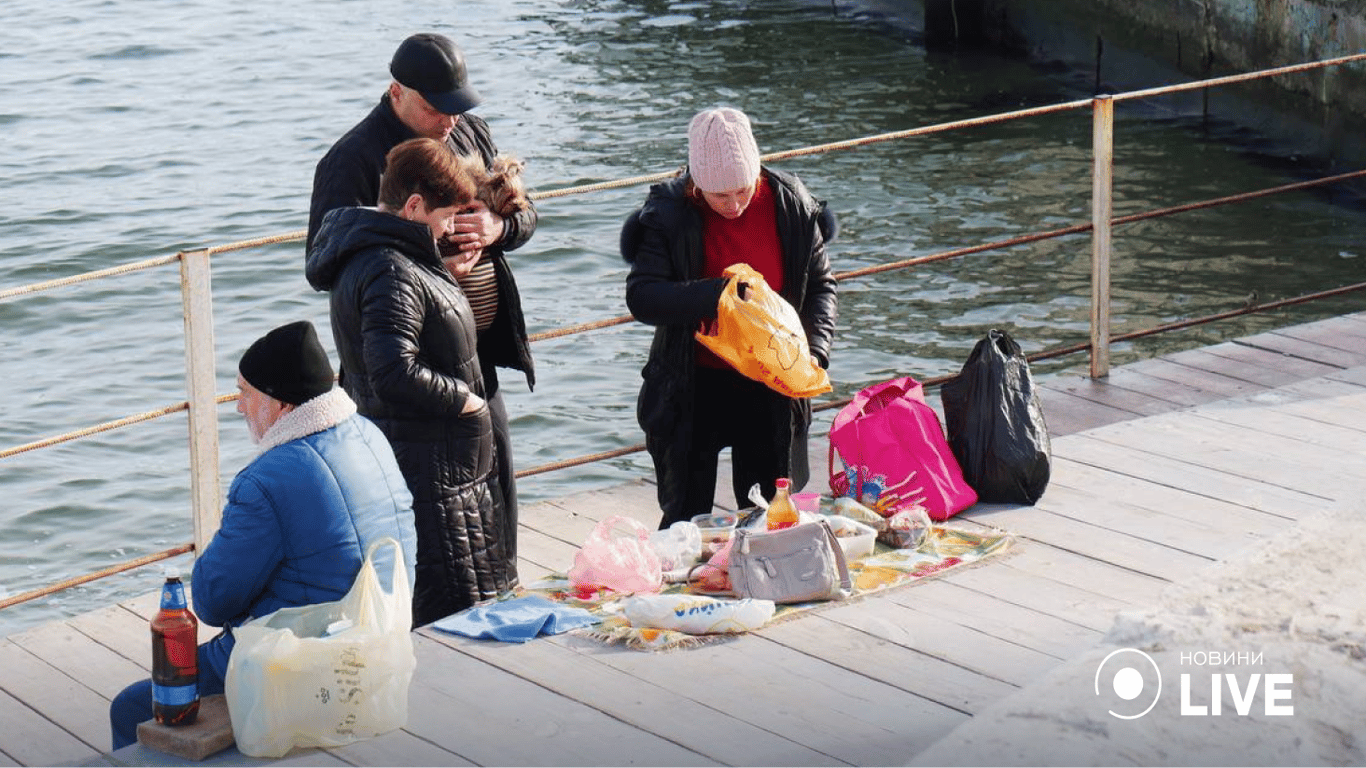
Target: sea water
column 134, row 130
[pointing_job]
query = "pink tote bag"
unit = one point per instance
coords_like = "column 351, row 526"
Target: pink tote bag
column 894, row 454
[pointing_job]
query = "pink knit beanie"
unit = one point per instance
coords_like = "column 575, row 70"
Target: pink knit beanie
column 722, row 155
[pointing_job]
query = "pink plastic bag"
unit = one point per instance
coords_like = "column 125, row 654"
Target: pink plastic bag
column 713, row 575
column 617, row 555
column 894, row 453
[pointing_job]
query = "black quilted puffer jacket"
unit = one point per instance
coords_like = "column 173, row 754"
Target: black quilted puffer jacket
column 406, row 338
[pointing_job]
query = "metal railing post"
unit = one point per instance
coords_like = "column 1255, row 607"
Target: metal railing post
column 1102, row 210
column 197, row 298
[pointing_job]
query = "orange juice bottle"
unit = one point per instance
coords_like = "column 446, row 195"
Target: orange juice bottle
column 782, row 513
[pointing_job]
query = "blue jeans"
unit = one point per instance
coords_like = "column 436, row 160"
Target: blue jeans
column 134, row 704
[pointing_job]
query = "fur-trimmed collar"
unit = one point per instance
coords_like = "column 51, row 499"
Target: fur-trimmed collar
column 322, row 412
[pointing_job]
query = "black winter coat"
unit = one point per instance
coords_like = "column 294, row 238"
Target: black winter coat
column 663, row 243
column 406, row 340
column 348, row 175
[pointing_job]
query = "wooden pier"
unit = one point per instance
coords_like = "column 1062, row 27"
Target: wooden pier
column 1167, row 466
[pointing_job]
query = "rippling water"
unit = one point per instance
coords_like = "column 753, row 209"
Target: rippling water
column 133, row 130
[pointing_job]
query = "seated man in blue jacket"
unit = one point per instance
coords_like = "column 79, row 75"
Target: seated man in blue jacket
column 300, row 517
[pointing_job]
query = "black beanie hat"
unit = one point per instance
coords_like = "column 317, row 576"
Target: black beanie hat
column 288, row 364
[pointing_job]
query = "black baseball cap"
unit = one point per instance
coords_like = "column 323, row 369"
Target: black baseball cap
column 434, row 66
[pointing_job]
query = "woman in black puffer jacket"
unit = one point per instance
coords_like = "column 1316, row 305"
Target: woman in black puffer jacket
column 727, row 209
column 405, row 336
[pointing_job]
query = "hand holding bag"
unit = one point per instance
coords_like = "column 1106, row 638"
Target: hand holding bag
column 790, row 565
column 328, row 674
column 761, row 336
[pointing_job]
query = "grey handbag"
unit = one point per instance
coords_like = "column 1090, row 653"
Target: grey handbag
column 789, row 565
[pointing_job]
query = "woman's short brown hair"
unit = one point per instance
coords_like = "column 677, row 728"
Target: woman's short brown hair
column 428, row 168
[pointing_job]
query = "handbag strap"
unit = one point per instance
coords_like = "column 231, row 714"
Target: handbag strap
column 846, row 583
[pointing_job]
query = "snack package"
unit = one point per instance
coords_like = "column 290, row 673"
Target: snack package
column 697, row 614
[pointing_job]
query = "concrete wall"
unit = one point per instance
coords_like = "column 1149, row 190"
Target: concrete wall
column 1131, row 44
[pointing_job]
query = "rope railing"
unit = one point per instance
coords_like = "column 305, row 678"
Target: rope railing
column 847, row 275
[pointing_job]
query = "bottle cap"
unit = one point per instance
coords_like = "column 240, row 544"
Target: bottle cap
column 782, row 482
column 171, row 571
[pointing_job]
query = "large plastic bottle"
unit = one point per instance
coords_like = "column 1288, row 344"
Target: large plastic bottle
column 782, row 513
column 175, row 654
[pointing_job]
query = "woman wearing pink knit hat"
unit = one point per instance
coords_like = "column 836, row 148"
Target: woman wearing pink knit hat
column 727, row 209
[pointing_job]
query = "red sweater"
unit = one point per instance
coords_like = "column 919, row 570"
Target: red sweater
column 751, row 239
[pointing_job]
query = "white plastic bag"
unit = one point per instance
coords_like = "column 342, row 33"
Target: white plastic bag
column 697, row 614
column 678, row 546
column 325, row 675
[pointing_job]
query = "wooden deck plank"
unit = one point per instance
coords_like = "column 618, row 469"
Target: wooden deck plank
column 1208, row 536
column 559, row 522
column 1264, row 369
column 1195, row 374
column 1271, row 367
column 1344, row 333
column 488, row 717
column 1176, row 503
column 1350, row 375
column 31, row 739
column 121, row 631
column 1338, row 355
column 53, row 694
column 93, row 665
column 1067, row 413
column 574, row 668
column 1345, row 411
column 885, row 655
column 1242, row 451
column 636, row 500
column 137, row 754
column 1179, row 394
column 399, row 747
column 945, row 639
column 1000, row 618
column 1083, row 584
column 845, row 717
column 1307, row 425
column 1095, row 541
column 541, row 553
column 1171, row 470
column 1144, row 397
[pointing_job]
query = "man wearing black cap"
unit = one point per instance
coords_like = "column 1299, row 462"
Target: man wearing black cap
column 300, row 517
column 430, row 96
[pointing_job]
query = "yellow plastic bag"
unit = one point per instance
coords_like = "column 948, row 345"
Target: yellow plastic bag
column 761, row 336
column 325, row 675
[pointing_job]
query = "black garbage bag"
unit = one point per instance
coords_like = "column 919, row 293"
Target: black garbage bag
column 995, row 425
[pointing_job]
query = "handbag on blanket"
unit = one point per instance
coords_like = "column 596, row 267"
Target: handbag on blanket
column 790, row 565
column 894, row 453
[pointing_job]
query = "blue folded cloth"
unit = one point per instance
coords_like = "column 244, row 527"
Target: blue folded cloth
column 517, row 620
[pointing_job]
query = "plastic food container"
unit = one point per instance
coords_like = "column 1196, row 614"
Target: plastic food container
column 855, row 538
column 716, row 529
column 807, row 502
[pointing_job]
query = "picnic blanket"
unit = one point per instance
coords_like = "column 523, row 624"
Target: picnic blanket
column 945, row 548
